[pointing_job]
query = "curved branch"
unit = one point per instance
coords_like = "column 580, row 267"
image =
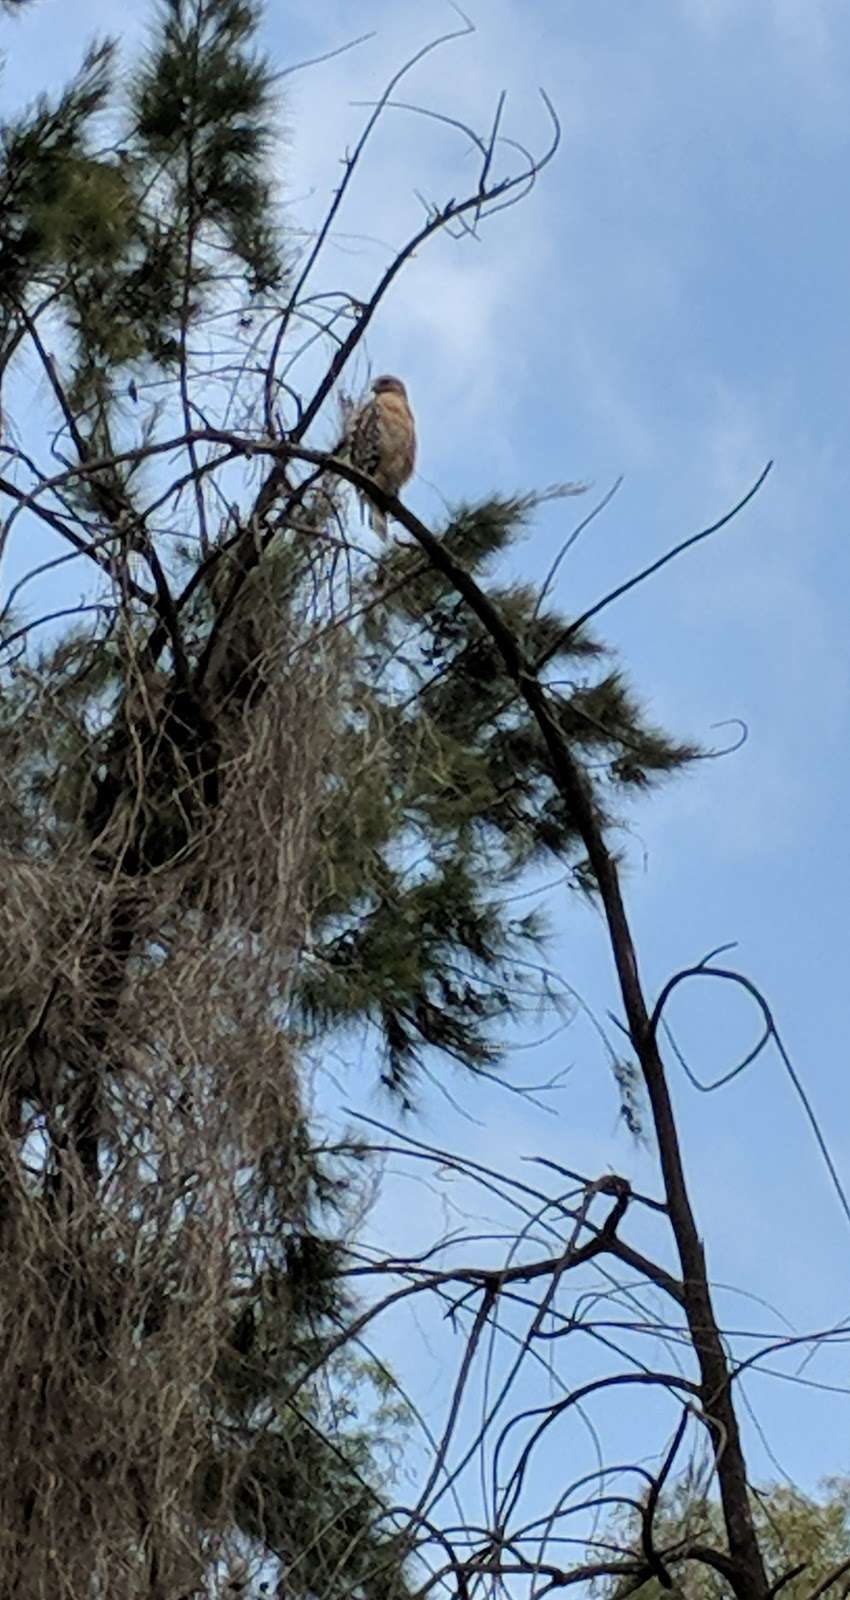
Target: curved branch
column 654, row 566
column 770, row 1032
column 653, row 1559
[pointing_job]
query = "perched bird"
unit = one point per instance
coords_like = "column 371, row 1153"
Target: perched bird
column 382, row 442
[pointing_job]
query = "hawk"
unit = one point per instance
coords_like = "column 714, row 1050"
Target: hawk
column 382, row 442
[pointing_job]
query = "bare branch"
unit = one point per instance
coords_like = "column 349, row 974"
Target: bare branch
column 351, row 165
column 654, row 566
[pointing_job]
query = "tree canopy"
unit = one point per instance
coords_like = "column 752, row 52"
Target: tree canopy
column 262, row 788
column 797, row 1531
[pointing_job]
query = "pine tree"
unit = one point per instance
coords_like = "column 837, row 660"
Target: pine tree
column 256, row 792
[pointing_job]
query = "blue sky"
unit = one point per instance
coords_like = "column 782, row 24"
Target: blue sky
column 671, row 304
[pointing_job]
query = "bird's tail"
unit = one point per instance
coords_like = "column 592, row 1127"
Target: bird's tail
column 377, row 520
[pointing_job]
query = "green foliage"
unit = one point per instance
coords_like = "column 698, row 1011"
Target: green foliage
column 130, row 240
column 202, row 105
column 444, row 798
column 794, row 1530
column 439, row 800
column 46, row 194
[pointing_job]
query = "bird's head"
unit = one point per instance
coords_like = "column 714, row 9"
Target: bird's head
column 389, row 385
